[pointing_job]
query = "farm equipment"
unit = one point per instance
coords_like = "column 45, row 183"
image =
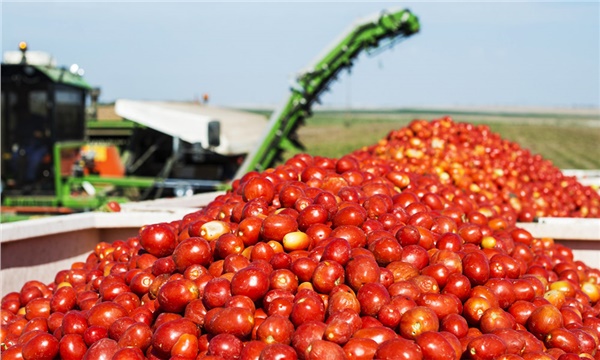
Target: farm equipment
column 376, row 32
column 49, row 164
column 52, row 161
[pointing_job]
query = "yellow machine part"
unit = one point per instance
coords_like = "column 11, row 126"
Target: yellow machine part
column 107, row 161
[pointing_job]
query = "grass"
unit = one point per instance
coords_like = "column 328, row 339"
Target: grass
column 569, row 141
column 567, row 147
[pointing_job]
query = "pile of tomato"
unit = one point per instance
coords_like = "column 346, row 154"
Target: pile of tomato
column 403, row 250
column 487, row 167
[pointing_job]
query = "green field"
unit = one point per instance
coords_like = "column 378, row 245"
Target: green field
column 571, row 140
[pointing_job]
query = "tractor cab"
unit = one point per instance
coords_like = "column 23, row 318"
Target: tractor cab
column 41, row 105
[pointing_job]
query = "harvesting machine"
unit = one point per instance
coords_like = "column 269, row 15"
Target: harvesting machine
column 50, row 164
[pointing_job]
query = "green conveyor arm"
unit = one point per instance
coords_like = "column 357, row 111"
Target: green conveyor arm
column 280, row 133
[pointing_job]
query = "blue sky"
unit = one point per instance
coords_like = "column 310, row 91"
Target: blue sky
column 467, row 53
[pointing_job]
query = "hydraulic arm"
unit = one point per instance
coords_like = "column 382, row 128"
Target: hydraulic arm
column 280, row 133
